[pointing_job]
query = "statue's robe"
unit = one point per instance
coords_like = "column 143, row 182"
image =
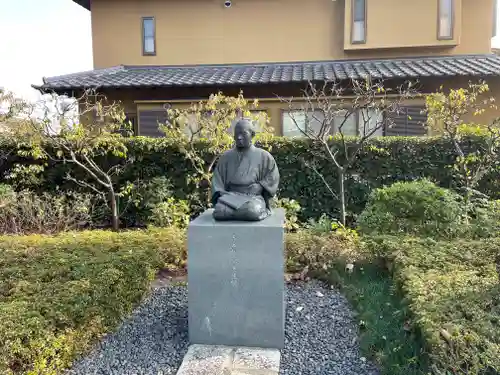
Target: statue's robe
column 243, row 184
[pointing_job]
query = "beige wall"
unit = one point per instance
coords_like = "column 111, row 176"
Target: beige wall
column 205, row 32
column 397, row 23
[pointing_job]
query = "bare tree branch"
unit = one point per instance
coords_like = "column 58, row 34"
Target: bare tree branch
column 323, row 115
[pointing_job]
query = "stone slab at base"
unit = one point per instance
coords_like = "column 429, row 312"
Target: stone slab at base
column 236, row 288
column 224, row 360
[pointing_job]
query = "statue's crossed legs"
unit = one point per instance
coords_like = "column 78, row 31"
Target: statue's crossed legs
column 253, row 209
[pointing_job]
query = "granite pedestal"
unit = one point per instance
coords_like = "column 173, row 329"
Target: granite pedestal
column 236, row 282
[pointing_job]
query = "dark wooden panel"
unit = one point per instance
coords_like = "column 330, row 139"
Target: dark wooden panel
column 409, row 123
column 149, row 120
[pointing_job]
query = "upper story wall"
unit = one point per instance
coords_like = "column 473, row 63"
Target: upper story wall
column 205, row 32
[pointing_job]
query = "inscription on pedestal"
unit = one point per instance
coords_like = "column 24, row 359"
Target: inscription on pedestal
column 236, row 281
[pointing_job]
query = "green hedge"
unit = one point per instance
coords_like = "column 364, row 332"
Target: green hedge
column 454, row 296
column 59, row 294
column 383, row 161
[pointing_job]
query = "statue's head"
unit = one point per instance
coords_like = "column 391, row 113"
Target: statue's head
column 243, row 133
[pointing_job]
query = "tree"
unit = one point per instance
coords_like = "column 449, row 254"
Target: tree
column 204, row 131
column 328, row 119
column 76, row 132
column 446, row 117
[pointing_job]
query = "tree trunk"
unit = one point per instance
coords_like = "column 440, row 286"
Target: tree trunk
column 342, row 196
column 115, row 220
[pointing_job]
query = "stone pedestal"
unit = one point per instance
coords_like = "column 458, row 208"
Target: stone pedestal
column 236, row 282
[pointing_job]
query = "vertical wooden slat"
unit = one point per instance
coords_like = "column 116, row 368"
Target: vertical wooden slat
column 409, row 123
column 149, row 121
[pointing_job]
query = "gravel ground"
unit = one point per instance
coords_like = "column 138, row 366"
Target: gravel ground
column 321, row 337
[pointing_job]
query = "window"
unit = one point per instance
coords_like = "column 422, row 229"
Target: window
column 148, row 36
column 296, row 122
column 346, row 126
column 358, row 27
column 370, row 122
column 445, row 19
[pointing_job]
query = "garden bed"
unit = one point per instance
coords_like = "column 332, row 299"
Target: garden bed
column 59, row 294
column 453, row 294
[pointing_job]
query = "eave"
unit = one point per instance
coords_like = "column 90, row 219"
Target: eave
column 83, row 3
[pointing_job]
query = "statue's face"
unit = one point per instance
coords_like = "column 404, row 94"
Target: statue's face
column 243, row 134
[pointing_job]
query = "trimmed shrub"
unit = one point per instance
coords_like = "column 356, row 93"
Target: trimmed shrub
column 319, row 251
column 454, row 298
column 418, row 208
column 383, row 161
column 59, row 294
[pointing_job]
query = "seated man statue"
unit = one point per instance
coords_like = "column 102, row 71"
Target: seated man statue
column 245, row 179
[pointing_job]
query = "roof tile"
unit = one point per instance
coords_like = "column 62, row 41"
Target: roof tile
column 197, row 75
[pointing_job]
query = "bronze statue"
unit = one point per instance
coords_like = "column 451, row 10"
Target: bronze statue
column 245, row 179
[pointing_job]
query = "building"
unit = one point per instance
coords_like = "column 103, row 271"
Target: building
column 151, row 52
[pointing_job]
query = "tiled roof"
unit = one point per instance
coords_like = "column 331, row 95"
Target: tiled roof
column 244, row 74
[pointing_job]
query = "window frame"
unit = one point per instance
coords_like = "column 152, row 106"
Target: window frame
column 333, row 128
column 452, row 20
column 353, row 20
column 143, row 28
column 494, row 31
column 284, row 111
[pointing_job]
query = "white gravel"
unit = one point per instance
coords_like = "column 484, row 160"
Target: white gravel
column 321, row 336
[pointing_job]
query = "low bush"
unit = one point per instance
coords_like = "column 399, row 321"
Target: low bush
column 292, row 210
column 319, row 251
column 59, row 294
column 418, row 208
column 454, row 298
column 28, row 212
column 144, row 196
column 171, row 212
column 484, row 219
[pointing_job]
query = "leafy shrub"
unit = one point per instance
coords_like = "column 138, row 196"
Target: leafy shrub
column 29, row 212
column 59, row 294
column 417, row 208
column 7, row 195
column 324, row 224
column 306, row 249
column 453, row 296
column 170, row 212
column 154, row 204
column 485, row 219
column 384, row 161
column 292, row 210
column 144, row 196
